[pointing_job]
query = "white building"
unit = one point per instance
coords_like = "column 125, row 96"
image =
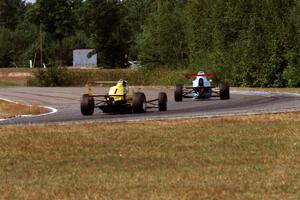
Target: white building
column 81, row 58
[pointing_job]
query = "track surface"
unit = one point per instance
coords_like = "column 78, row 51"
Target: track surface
column 67, row 102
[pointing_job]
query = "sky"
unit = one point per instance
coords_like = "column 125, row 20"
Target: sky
column 32, row 1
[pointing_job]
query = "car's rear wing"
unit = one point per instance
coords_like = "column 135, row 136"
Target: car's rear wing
column 101, row 83
column 202, row 74
column 91, row 84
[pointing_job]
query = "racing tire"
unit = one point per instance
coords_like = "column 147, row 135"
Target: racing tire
column 224, row 90
column 162, row 101
column 178, row 92
column 139, row 104
column 87, row 105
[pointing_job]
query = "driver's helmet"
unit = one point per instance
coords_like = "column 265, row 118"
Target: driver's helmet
column 201, row 73
column 124, row 83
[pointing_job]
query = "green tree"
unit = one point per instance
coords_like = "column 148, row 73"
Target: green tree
column 292, row 72
column 108, row 28
column 11, row 13
column 206, row 35
column 5, row 47
column 16, row 38
column 56, row 18
column 247, row 38
column 137, row 14
column 162, row 41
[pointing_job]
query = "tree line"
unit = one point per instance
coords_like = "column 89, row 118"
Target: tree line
column 251, row 43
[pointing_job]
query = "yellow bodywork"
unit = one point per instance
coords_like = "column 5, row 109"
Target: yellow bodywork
column 118, row 92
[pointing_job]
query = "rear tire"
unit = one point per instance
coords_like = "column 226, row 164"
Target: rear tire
column 139, row 104
column 224, row 90
column 178, row 92
column 162, row 101
column 87, row 105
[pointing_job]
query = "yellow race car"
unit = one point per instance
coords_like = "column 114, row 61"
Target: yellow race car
column 121, row 99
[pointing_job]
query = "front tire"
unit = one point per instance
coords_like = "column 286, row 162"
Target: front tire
column 139, row 104
column 162, row 101
column 87, row 105
column 178, row 92
column 224, row 91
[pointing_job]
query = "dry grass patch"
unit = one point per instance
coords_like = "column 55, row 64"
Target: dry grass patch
column 14, row 81
column 9, row 109
column 255, row 157
column 15, row 76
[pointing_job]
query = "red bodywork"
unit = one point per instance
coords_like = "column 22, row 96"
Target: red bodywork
column 195, row 75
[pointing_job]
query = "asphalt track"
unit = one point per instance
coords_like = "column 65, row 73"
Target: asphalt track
column 67, row 103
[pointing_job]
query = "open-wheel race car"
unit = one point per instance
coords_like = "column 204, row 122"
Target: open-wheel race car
column 120, row 98
column 202, row 88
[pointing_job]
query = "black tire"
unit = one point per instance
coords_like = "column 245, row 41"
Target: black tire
column 87, row 105
column 224, row 90
column 162, row 101
column 139, row 103
column 178, row 92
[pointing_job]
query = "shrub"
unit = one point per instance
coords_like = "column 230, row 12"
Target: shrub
column 291, row 74
column 52, row 77
column 61, row 76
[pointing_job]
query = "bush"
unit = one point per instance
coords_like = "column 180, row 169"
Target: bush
column 52, row 77
column 61, row 76
column 291, row 74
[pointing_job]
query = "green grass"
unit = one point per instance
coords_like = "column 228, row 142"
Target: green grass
column 4, row 83
column 254, row 157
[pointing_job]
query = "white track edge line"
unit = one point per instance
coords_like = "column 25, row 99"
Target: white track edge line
column 52, row 110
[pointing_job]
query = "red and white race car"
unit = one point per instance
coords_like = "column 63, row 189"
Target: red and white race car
column 202, row 88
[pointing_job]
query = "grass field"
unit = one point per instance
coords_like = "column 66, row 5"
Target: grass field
column 9, row 109
column 251, row 157
column 16, row 70
column 79, row 77
column 12, row 77
column 5, row 83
